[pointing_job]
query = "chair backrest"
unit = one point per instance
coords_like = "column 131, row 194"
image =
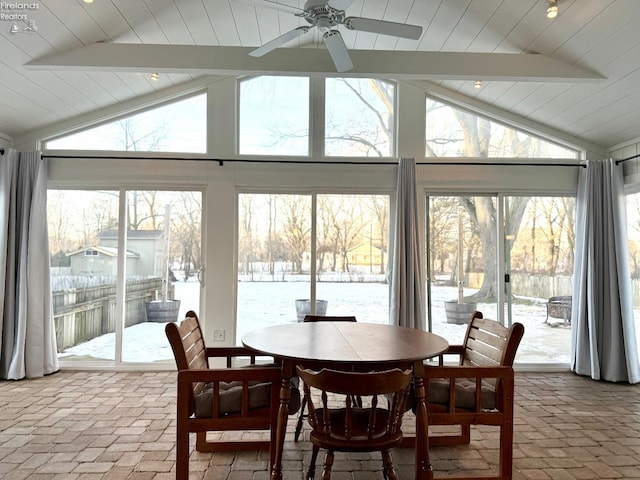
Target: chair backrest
column 359, row 421
column 323, row 318
column 189, row 350
column 488, row 343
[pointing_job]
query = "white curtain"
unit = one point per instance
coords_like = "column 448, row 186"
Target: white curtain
column 603, row 334
column 407, row 274
column 28, row 342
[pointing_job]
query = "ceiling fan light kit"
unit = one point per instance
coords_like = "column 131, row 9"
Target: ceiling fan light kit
column 326, row 16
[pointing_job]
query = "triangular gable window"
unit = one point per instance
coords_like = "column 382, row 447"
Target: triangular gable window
column 179, row 126
column 453, row 132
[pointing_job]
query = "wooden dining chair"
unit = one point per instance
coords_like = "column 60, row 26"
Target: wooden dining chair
column 479, row 389
column 340, row 424
column 316, row 318
column 231, row 398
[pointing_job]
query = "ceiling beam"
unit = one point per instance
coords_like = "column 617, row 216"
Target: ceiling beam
column 196, row 59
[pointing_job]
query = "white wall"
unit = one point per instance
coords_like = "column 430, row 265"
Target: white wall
column 631, row 167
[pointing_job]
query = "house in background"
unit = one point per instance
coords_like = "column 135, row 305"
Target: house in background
column 99, row 260
column 145, row 254
column 147, row 245
column 366, row 257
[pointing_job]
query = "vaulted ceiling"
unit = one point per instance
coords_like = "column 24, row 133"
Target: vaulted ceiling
column 578, row 73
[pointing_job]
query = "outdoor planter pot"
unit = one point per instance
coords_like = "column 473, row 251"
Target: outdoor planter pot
column 459, row 312
column 303, row 308
column 163, row 311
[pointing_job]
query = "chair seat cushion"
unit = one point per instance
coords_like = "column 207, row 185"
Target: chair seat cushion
column 231, row 398
column 465, row 393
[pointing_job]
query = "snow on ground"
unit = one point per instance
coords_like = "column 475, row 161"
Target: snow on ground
column 264, row 304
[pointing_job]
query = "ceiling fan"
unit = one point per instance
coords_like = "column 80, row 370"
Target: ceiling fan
column 326, row 15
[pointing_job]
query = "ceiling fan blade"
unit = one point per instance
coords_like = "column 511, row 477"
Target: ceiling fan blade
column 337, row 50
column 383, row 27
column 340, row 4
column 275, row 5
column 279, row 41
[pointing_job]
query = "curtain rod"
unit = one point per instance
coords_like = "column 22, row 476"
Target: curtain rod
column 221, row 161
column 618, row 162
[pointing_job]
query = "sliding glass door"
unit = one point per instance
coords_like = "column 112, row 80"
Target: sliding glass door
column 462, row 267
column 311, row 253
column 510, row 257
column 539, row 250
column 124, row 263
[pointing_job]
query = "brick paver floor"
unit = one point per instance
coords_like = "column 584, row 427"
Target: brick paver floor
column 120, row 425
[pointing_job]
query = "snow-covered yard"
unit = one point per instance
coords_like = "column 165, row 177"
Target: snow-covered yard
column 264, row 304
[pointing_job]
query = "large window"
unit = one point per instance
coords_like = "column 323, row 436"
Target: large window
column 274, row 116
column 453, row 132
column 277, row 278
column 359, row 117
column 464, row 272
column 179, row 126
column 161, row 250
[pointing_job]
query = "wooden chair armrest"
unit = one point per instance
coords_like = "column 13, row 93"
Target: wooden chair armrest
column 457, row 350
column 231, row 352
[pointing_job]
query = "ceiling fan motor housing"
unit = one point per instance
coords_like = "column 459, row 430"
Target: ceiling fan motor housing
column 319, row 13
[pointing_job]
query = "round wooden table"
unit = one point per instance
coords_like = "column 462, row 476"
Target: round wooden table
column 348, row 345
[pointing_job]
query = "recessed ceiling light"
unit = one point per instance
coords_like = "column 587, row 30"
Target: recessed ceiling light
column 478, row 84
column 155, row 76
column 552, row 9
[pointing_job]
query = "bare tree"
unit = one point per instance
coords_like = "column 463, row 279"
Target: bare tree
column 246, row 246
column 328, row 237
column 296, row 228
column 136, row 138
column 348, row 225
column 58, row 221
column 186, row 228
column 380, row 212
column 373, row 132
column 442, row 228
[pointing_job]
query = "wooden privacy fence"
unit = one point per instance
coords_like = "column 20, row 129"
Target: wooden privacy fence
column 81, row 314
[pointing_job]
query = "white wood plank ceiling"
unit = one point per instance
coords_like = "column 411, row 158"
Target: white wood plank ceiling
column 598, row 36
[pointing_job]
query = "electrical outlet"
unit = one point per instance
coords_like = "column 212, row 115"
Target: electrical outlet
column 218, row 335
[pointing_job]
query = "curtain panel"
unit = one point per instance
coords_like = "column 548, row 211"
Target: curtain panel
column 603, row 335
column 28, row 342
column 407, row 276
